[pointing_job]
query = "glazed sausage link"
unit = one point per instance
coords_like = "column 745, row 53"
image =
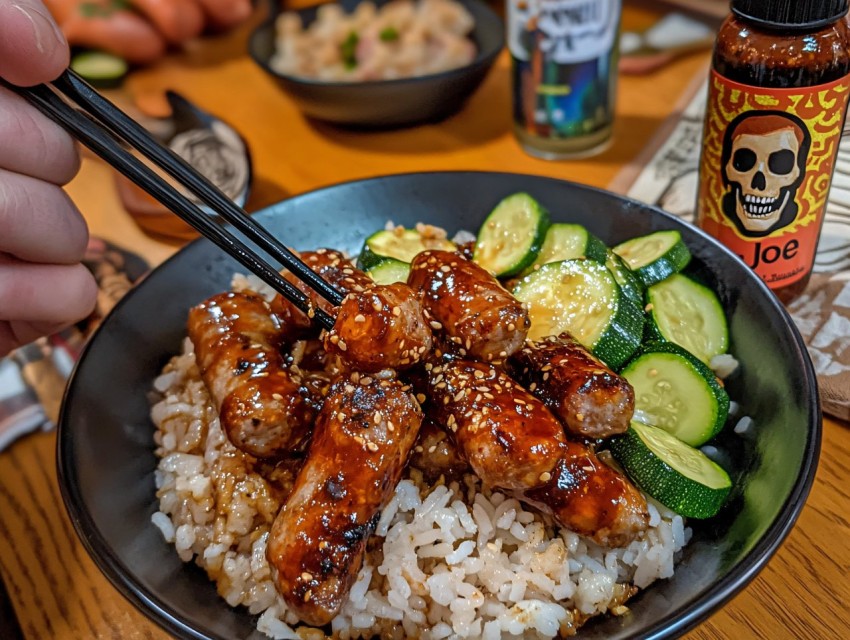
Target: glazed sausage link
column 362, row 439
column 590, row 399
column 469, row 305
column 265, row 409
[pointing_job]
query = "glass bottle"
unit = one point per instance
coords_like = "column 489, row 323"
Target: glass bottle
column 777, row 103
column 563, row 74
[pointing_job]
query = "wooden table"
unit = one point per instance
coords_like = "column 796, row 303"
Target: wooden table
column 55, row 589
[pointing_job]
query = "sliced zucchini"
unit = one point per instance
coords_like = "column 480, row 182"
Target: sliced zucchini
column 566, row 242
column 101, row 69
column 389, row 271
column 680, row 477
column 677, row 392
column 628, row 281
column 687, row 313
column 400, row 244
column 655, row 256
column 582, row 297
column 511, row 236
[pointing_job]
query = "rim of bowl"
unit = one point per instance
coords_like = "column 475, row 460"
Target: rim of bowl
column 481, row 58
column 671, row 625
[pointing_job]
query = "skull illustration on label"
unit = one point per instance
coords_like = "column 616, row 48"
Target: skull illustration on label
column 763, row 163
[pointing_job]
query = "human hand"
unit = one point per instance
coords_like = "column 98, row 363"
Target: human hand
column 43, row 286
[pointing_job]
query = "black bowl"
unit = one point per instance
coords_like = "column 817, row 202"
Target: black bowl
column 105, row 447
column 385, row 103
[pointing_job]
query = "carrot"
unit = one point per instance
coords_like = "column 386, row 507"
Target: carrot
column 107, row 26
column 177, row 20
column 61, row 9
column 223, row 14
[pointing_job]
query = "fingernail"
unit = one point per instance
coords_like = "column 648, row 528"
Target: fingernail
column 42, row 25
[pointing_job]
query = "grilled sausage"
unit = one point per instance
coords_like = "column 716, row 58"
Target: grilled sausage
column 435, row 454
column 591, row 400
column 266, row 409
column 587, row 496
column 361, row 442
column 505, row 434
column 336, row 270
column 382, row 327
column 478, row 315
column 512, row 441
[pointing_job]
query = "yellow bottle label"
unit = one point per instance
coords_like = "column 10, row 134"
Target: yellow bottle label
column 766, row 167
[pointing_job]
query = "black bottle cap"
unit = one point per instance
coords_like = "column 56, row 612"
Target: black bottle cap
column 795, row 15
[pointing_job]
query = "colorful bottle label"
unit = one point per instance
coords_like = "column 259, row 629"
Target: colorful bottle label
column 564, row 57
column 767, row 161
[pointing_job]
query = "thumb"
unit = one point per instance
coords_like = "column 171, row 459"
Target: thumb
column 32, row 47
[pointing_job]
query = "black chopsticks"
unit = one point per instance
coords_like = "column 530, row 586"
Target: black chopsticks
column 102, row 127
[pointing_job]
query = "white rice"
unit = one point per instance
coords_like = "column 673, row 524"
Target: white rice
column 456, row 561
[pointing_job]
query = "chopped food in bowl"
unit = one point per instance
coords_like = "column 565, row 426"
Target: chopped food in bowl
column 400, row 39
column 518, row 467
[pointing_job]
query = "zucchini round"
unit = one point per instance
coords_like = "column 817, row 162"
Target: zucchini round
column 511, row 236
column 582, row 298
column 400, row 244
column 656, row 256
column 677, row 392
column 688, row 314
column 680, row 477
column 569, row 241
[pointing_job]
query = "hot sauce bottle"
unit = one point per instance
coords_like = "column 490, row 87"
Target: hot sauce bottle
column 777, row 101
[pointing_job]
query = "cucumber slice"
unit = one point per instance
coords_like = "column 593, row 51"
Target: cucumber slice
column 511, row 236
column 389, row 271
column 677, row 392
column 656, row 256
column 680, row 477
column 567, row 242
column 399, row 244
column 101, row 69
column 688, row 314
column 582, row 298
column 625, row 277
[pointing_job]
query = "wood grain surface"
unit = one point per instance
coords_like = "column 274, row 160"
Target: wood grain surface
column 55, row 590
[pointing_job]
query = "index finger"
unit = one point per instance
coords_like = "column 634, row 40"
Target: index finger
column 32, row 47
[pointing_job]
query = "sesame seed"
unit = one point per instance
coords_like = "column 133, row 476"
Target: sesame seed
column 334, row 338
column 653, row 373
column 418, row 449
column 545, row 476
column 377, row 306
column 446, row 400
column 306, row 577
column 342, row 345
column 435, row 325
column 546, row 376
column 432, row 448
column 532, row 386
column 372, row 447
column 396, row 311
column 445, row 268
column 511, row 327
column 308, row 595
column 459, row 395
column 323, row 545
column 365, row 380
column 478, row 373
column 277, row 396
column 340, row 416
column 349, row 388
column 648, row 307
column 359, row 440
column 377, row 417
column 441, row 385
column 503, row 354
column 420, row 397
column 359, row 318
column 390, row 426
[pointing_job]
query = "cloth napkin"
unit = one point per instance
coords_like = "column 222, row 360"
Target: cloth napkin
column 822, row 313
column 33, row 377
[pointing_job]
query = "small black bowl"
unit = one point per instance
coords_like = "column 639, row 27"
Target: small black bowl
column 105, row 444
column 385, row 103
